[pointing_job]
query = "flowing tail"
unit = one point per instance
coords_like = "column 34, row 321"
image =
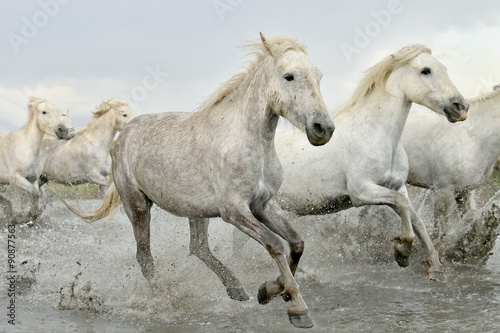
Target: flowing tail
column 109, row 206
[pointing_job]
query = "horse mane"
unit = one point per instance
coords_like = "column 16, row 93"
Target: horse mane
column 377, row 75
column 102, row 109
column 486, row 96
column 261, row 48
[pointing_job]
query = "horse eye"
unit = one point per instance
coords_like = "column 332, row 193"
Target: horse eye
column 44, row 112
column 426, row 71
column 288, row 77
column 125, row 115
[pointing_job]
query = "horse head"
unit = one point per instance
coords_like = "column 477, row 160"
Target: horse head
column 49, row 120
column 120, row 110
column 426, row 82
column 295, row 89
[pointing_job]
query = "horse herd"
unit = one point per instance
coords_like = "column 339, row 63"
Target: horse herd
column 229, row 159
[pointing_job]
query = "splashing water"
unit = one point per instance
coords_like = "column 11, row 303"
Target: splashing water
column 76, row 277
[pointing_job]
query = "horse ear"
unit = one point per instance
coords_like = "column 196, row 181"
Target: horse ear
column 266, row 45
column 67, row 111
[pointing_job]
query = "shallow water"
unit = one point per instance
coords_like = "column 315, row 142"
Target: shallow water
column 76, row 277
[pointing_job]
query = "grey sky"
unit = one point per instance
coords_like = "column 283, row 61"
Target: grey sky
column 169, row 55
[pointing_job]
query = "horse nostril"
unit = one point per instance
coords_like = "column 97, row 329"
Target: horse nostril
column 318, row 129
column 61, row 132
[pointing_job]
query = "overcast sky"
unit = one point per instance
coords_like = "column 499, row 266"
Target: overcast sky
column 170, row 55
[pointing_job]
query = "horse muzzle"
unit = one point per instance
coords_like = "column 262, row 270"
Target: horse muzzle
column 320, row 132
column 61, row 131
column 457, row 111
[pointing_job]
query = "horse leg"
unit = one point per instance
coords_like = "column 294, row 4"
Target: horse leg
column 138, row 209
column 373, row 194
column 35, row 211
column 435, row 271
column 102, row 181
column 275, row 219
column 465, row 201
column 442, row 210
column 7, row 208
column 200, row 248
column 33, row 190
column 242, row 218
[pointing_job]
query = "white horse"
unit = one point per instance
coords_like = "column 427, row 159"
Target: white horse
column 86, row 158
column 453, row 160
column 20, row 150
column 221, row 161
column 365, row 164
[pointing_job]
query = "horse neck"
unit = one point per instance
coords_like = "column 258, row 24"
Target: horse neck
column 31, row 135
column 390, row 110
column 101, row 130
column 247, row 111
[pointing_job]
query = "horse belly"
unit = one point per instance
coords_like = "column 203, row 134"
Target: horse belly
column 186, row 205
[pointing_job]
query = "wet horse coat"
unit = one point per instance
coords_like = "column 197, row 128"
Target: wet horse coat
column 221, row 161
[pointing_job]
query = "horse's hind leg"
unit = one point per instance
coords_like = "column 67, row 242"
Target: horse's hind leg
column 200, row 248
column 138, row 209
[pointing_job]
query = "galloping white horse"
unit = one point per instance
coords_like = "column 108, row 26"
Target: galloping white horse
column 452, row 160
column 365, row 164
column 20, row 150
column 221, row 161
column 85, row 158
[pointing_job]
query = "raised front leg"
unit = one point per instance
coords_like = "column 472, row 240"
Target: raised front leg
column 372, row 194
column 242, row 218
column 97, row 178
column 200, row 248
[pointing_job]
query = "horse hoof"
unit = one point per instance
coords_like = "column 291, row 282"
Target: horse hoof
column 437, row 276
column 262, row 295
column 300, row 320
column 403, row 261
column 237, row 294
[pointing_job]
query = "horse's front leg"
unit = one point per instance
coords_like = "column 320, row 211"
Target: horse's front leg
column 275, row 219
column 97, row 178
column 200, row 248
column 435, row 271
column 33, row 190
column 373, row 194
column 243, row 219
